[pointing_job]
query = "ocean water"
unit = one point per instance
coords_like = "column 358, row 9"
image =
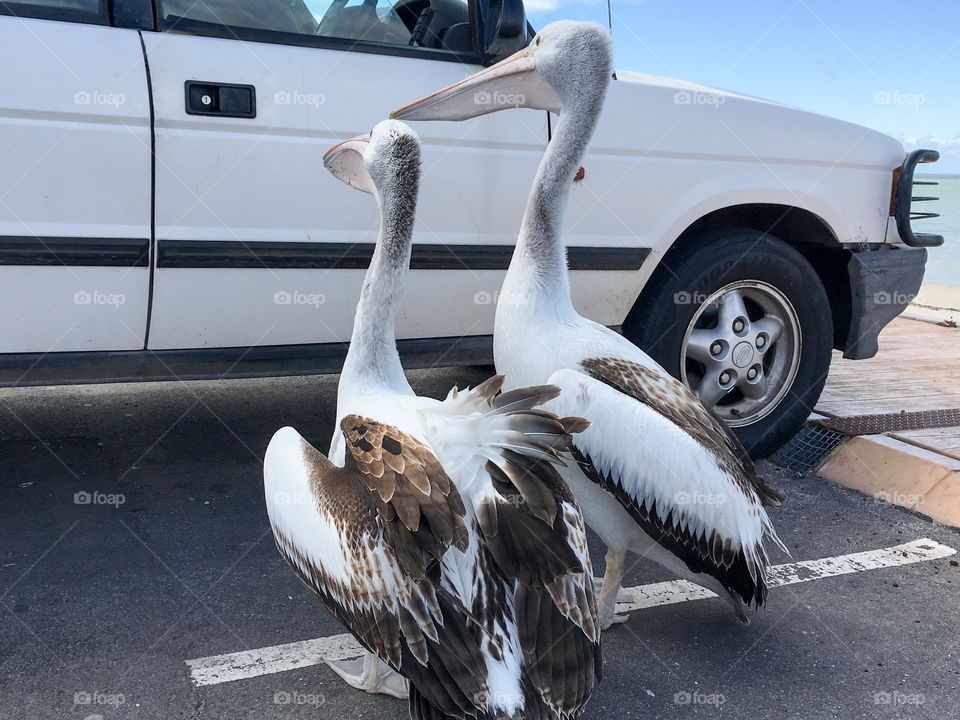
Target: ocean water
column 943, row 263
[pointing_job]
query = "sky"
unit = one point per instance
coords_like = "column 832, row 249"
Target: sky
column 891, row 65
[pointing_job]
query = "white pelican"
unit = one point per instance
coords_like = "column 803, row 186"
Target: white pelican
column 438, row 532
column 659, row 474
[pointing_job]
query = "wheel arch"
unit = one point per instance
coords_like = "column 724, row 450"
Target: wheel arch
column 802, row 229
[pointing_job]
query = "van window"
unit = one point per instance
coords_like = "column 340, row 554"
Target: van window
column 72, row 10
column 90, row 6
column 429, row 24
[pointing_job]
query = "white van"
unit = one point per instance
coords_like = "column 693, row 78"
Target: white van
column 164, row 212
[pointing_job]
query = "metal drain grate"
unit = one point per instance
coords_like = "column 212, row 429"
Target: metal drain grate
column 892, row 422
column 808, row 448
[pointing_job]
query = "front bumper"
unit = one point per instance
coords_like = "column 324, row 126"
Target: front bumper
column 904, row 198
column 882, row 283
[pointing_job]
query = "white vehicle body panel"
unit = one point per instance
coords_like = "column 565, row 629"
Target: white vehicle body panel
column 74, row 162
column 667, row 153
column 319, row 305
column 262, row 179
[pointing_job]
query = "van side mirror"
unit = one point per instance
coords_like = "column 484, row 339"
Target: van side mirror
column 503, row 27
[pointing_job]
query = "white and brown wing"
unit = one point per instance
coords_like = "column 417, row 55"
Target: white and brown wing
column 533, row 532
column 674, row 401
column 421, row 510
column 366, row 539
column 681, row 479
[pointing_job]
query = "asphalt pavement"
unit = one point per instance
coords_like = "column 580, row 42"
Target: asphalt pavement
column 133, row 538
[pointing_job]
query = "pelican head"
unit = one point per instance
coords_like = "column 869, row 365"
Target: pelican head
column 388, row 158
column 565, row 65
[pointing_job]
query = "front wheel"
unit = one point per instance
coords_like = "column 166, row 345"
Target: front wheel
column 744, row 321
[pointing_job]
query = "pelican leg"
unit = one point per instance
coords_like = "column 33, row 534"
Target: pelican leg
column 612, row 580
column 623, row 594
column 371, row 675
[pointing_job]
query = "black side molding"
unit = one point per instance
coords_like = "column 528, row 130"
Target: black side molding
column 103, row 252
column 343, row 256
column 134, row 252
column 904, row 199
column 606, row 258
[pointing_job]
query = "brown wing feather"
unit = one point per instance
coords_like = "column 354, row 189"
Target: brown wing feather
column 422, row 508
column 534, row 534
column 391, row 604
column 671, row 398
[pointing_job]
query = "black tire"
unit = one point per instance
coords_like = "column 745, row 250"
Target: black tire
column 712, row 260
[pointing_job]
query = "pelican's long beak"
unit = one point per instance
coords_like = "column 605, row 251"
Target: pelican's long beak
column 511, row 83
column 345, row 162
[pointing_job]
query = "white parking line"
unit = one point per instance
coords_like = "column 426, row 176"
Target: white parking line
column 278, row 658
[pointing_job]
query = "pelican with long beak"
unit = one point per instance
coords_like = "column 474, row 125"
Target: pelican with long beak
column 438, row 532
column 657, row 474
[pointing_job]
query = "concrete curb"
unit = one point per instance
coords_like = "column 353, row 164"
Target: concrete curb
column 937, row 303
column 899, row 473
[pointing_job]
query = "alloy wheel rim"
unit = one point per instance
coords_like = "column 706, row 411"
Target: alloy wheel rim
column 741, row 351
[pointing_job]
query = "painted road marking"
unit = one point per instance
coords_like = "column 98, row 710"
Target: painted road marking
column 678, row 591
column 278, row 658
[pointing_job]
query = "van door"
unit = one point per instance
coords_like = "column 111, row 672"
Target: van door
column 257, row 243
column 74, row 180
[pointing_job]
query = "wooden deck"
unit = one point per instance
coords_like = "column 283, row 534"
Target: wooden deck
column 917, row 368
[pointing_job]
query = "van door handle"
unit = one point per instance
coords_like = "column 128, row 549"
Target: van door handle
column 221, row 99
